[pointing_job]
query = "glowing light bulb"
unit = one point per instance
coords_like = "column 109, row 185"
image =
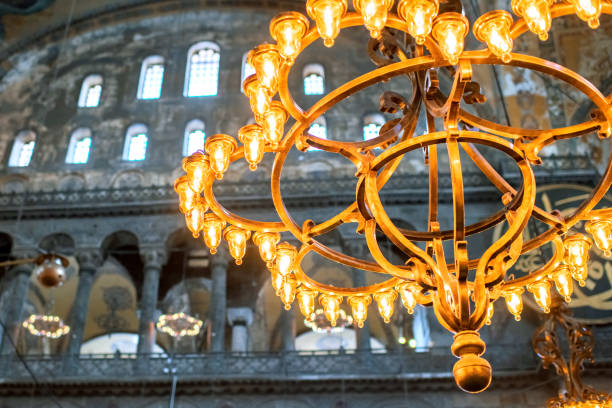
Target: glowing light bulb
column 265, row 59
column 212, row 231
column 563, row 281
column 220, row 148
column 407, row 293
column 259, row 97
column 331, row 307
column 359, row 305
column 374, row 14
column 251, row 137
column 386, row 304
column 589, row 11
column 580, row 274
column 449, row 30
column 327, row 14
column 306, row 299
column 195, row 219
column 187, row 197
column 277, row 281
column 236, row 241
column 514, row 301
column 285, row 257
column 274, row 124
column 490, row 311
column 419, row 16
column 287, row 293
column 601, row 230
column 493, row 28
column 536, row 14
column 577, row 250
column 541, row 294
column 196, row 166
column 288, row 30
column 266, row 242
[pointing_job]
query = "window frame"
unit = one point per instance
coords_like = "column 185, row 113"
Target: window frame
column 89, row 82
column 313, row 69
column 320, row 121
column 192, row 125
column 23, row 137
column 131, row 132
column 146, row 63
column 372, row 119
column 76, row 136
column 197, row 47
column 243, row 72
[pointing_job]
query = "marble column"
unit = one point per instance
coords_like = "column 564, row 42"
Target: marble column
column 153, row 259
column 287, row 327
column 240, row 318
column 89, row 260
column 420, row 329
column 218, row 301
column 19, row 283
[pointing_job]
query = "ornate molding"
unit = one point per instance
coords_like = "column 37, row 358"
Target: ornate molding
column 89, row 259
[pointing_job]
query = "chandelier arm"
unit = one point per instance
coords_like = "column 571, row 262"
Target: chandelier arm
column 545, row 270
column 433, row 174
column 458, row 194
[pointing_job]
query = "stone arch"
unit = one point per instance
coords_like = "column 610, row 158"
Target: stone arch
column 60, row 243
column 72, row 182
column 124, row 247
column 284, row 403
column 6, row 246
column 14, row 184
column 128, row 179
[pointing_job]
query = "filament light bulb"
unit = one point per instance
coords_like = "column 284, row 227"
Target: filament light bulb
column 265, row 59
column 419, row 16
column 589, row 11
column 408, row 295
column 288, row 30
column 196, row 166
column 374, row 14
column 449, row 30
column 563, row 282
column 236, row 241
column 285, row 258
column 601, row 230
column 259, row 97
column 187, row 197
column 195, row 220
column 580, row 274
column 493, row 28
column 490, row 311
column 251, row 137
column 220, row 148
column 327, row 14
column 306, row 299
column 541, row 294
column 331, row 307
column 287, row 293
column 514, row 301
column 386, row 304
column 212, row 231
column 274, row 124
column 577, row 250
column 266, row 242
column 536, row 14
column 277, row 281
column 359, row 306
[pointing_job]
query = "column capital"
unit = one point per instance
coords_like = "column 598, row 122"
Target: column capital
column 154, row 255
column 237, row 315
column 89, row 259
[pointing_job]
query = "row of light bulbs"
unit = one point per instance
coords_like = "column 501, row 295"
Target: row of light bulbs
column 179, row 325
column 48, row 326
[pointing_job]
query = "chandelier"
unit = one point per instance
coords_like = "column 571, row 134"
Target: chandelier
column 179, row 325
column 460, row 287
column 49, row 326
column 318, row 322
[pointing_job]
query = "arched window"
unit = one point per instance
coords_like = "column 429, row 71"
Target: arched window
column 371, row 125
column 202, row 76
column 247, row 70
column 151, row 77
column 314, row 79
column 318, row 129
column 79, row 147
column 194, row 137
column 91, row 90
column 135, row 147
column 23, row 148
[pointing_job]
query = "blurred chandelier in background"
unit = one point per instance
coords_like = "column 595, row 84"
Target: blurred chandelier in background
column 179, row 325
column 462, row 291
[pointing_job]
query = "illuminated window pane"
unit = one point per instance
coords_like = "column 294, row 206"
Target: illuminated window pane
column 25, row 154
column 195, row 141
column 313, row 85
column 152, row 82
column 93, row 96
column 371, row 131
column 81, row 150
column 319, row 130
column 203, row 72
column 137, row 149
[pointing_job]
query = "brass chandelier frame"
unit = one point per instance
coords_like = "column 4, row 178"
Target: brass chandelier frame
column 462, row 292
